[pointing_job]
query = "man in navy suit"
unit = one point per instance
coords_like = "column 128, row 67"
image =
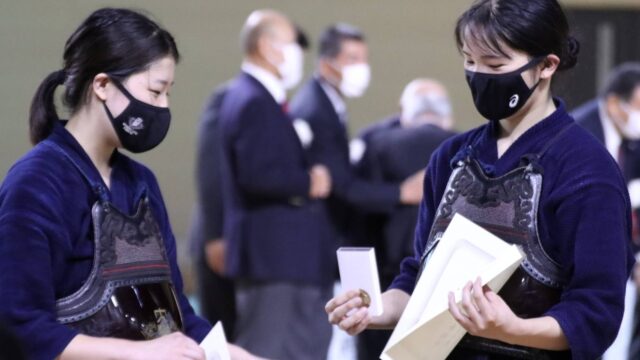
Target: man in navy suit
column 215, row 291
column 278, row 250
column 614, row 118
column 389, row 151
column 342, row 71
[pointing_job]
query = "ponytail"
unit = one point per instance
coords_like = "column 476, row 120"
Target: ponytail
column 42, row 116
column 119, row 42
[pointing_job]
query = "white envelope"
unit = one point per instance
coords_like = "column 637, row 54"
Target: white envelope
column 215, row 344
column 359, row 270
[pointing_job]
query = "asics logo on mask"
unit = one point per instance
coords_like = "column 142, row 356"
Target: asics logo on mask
column 134, row 124
column 499, row 96
column 513, row 102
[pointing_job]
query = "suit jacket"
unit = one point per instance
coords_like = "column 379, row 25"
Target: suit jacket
column 331, row 147
column 588, row 116
column 274, row 231
column 207, row 222
column 392, row 155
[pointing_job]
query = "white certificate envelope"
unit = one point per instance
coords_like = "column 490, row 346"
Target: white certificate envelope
column 215, row 344
column 426, row 330
column 358, row 270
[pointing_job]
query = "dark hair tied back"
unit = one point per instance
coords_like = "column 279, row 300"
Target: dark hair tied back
column 119, row 42
column 61, row 76
column 538, row 28
column 569, row 58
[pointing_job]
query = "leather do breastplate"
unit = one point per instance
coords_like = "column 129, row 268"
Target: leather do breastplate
column 507, row 206
column 129, row 292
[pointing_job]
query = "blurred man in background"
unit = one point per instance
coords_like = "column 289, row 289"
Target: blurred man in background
column 216, row 292
column 389, row 152
column 342, row 71
column 277, row 248
column 614, row 118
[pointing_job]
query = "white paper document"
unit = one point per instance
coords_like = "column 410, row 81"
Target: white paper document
column 426, row 329
column 359, row 270
column 215, row 344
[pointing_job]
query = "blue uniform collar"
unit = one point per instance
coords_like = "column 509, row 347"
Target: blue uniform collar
column 482, row 144
column 120, row 176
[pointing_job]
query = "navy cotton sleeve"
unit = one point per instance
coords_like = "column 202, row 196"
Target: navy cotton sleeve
column 31, row 223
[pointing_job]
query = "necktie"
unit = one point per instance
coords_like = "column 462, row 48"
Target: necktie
column 635, row 225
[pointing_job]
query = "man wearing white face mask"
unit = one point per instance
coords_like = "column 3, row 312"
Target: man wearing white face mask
column 216, row 292
column 390, row 150
column 277, row 249
column 614, row 118
column 342, row 71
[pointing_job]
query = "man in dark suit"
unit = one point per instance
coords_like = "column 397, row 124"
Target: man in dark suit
column 278, row 250
column 342, row 71
column 614, row 119
column 389, row 151
column 215, row 291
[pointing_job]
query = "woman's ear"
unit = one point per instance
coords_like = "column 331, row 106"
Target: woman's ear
column 99, row 86
column 550, row 65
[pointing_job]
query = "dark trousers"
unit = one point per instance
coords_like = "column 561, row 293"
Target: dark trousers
column 217, row 298
column 283, row 321
column 370, row 343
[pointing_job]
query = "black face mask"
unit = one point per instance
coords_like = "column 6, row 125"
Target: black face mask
column 499, row 96
column 140, row 127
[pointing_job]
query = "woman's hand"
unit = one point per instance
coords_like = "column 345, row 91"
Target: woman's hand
column 170, row 347
column 483, row 313
column 175, row 346
column 338, row 308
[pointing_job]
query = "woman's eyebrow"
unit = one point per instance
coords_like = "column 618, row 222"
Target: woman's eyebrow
column 163, row 82
column 486, row 56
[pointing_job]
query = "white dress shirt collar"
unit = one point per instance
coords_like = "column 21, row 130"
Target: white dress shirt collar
column 612, row 138
column 271, row 82
column 336, row 100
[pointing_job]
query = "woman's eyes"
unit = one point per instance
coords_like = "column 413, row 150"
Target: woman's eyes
column 491, row 66
column 155, row 92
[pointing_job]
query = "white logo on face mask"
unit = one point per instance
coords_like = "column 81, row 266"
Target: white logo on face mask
column 135, row 123
column 513, row 102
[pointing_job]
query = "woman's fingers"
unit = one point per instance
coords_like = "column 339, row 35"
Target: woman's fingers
column 339, row 300
column 362, row 324
column 343, row 305
column 457, row 314
column 347, row 312
column 354, row 319
column 468, row 304
column 479, row 298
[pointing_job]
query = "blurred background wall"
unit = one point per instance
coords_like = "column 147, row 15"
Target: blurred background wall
column 407, row 39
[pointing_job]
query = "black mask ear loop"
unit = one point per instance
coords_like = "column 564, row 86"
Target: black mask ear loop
column 122, row 89
column 533, row 63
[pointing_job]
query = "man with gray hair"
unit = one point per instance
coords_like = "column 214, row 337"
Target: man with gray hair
column 274, row 224
column 390, row 151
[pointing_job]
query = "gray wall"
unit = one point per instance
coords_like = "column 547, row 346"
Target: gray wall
column 408, row 38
